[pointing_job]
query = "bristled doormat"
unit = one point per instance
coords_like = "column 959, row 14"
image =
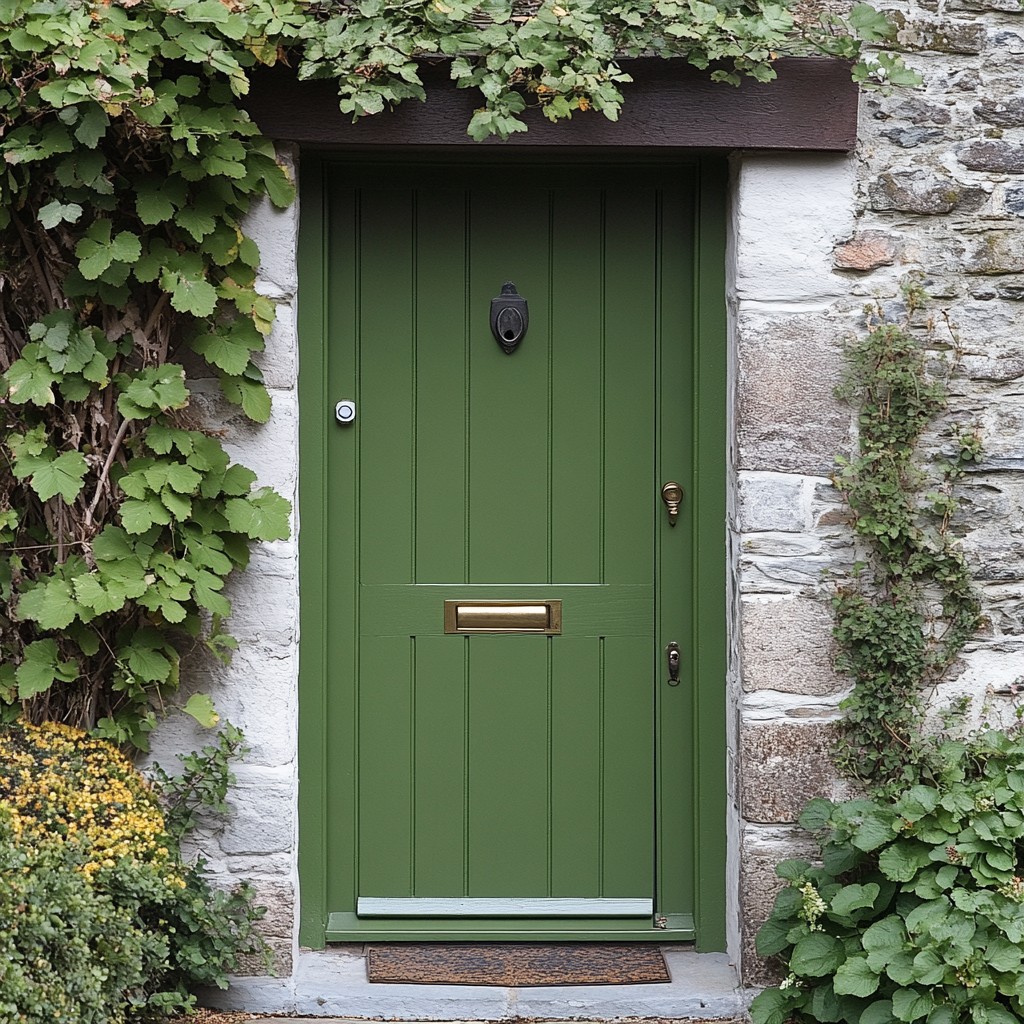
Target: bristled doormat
column 516, row 964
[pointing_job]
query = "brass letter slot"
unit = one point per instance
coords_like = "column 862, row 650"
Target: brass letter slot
column 543, row 617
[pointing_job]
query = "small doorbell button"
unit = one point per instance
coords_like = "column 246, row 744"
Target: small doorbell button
column 345, row 411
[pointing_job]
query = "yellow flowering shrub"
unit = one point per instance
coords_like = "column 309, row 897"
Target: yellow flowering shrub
column 60, row 783
column 101, row 921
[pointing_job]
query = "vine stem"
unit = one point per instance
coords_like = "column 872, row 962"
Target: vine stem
column 45, row 284
column 105, row 472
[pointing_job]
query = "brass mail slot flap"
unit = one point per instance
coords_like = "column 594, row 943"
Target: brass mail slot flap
column 542, row 617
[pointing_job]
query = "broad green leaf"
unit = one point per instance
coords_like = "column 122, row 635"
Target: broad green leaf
column 225, row 350
column 146, row 663
column 770, row 1007
column 874, row 831
column 816, row 814
column 193, row 295
column 902, row 861
column 772, row 937
column 62, row 476
column 30, row 380
column 261, row 516
column 42, row 667
column 251, row 395
column 854, row 897
column 200, row 707
column 182, row 478
column 909, row 1004
column 917, row 802
column 884, row 939
column 53, row 213
column 52, row 604
column 878, row 1012
column 929, row 969
column 855, row 977
column 816, row 955
column 155, row 389
column 112, row 544
column 138, row 516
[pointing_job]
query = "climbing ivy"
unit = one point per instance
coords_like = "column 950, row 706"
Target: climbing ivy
column 912, row 606
column 127, row 169
column 564, row 56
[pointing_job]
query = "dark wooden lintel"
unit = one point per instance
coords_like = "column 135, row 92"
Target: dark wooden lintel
column 812, row 105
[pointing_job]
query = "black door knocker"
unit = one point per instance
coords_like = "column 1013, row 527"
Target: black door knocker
column 510, row 318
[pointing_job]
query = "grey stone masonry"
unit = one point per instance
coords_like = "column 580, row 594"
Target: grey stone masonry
column 936, row 187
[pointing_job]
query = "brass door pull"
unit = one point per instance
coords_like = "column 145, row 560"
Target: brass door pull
column 672, row 495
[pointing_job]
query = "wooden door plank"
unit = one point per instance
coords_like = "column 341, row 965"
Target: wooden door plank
column 508, row 790
column 627, row 767
column 442, row 395
column 388, row 346
column 386, row 814
column 629, row 496
column 577, row 395
column 440, row 768
column 576, row 797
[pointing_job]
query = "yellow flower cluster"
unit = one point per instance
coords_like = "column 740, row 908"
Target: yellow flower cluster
column 61, row 784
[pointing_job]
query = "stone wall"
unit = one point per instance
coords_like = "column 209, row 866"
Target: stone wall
column 258, row 691
column 936, row 187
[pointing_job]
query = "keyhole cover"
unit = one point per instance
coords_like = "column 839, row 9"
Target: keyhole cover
column 510, row 317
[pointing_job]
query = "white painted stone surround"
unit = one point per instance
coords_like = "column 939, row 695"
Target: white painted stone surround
column 812, row 239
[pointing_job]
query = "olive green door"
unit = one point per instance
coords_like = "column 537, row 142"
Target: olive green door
column 497, row 754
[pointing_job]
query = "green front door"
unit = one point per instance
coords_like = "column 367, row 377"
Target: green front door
column 502, row 751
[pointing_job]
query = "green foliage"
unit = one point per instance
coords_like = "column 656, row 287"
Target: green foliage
column 914, row 912
column 101, row 921
column 203, row 783
column 128, row 167
column 905, row 618
column 565, row 57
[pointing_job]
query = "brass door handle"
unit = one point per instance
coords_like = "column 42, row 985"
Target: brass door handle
column 672, row 495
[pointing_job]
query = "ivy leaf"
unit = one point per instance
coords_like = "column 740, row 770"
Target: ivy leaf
column 62, row 476
column 30, row 380
column 229, row 348
column 146, row 662
column 138, row 516
column 201, row 708
column 189, row 294
column 871, row 25
column 41, row 668
column 182, row 478
column 97, row 251
column 155, row 389
column 53, row 213
column 251, row 395
column 51, row 604
column 261, row 516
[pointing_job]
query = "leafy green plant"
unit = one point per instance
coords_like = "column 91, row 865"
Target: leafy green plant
column 564, row 56
column 892, row 642
column 128, row 170
column 914, row 913
column 101, row 920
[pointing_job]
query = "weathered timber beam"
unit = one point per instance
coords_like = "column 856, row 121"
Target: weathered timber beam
column 812, row 105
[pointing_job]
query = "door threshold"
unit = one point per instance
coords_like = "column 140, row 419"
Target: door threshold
column 332, row 983
column 347, row 927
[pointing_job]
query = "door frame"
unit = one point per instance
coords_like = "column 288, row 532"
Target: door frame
column 704, row 648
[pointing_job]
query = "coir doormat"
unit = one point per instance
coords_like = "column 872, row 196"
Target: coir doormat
column 516, row 964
